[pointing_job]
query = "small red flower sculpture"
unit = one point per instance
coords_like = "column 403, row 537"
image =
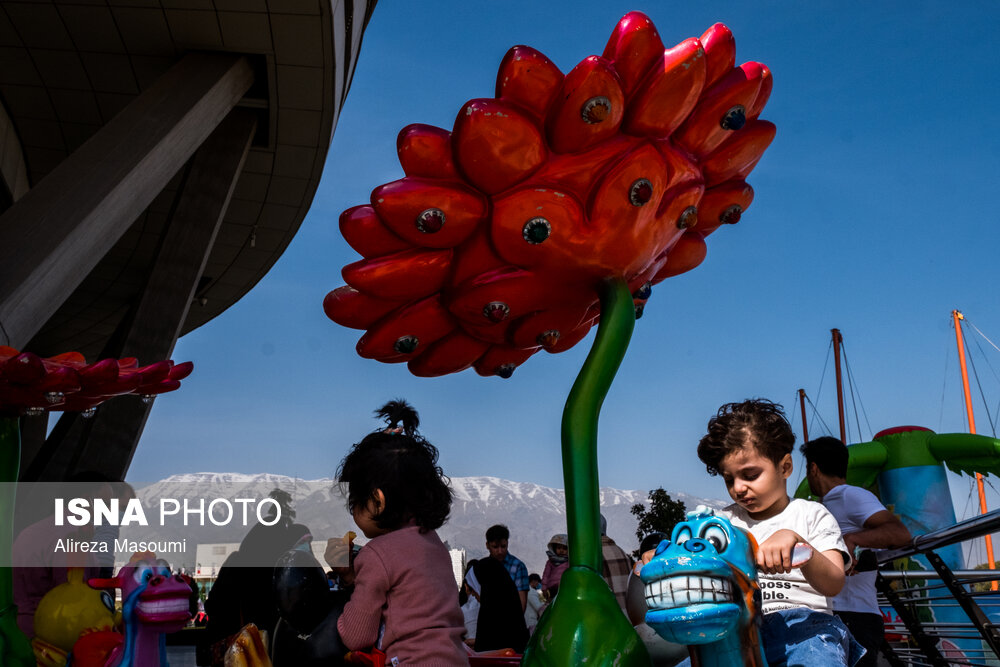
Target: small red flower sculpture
column 31, row 385
column 494, row 244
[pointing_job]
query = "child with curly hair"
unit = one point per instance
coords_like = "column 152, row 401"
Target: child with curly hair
column 749, row 444
column 404, row 601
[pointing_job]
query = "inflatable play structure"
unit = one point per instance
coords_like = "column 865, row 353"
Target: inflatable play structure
column 30, row 385
column 906, row 467
column 554, row 206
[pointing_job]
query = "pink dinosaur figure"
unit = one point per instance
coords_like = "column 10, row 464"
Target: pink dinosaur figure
column 154, row 603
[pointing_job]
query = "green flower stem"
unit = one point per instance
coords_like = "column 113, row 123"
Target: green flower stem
column 584, row 624
column 579, row 424
column 15, row 649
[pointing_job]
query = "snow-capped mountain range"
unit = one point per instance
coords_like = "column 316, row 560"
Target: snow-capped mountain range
column 532, row 512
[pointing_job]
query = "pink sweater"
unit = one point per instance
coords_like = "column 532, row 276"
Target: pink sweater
column 404, row 581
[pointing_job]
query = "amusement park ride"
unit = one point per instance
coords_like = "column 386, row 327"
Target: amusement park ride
column 548, row 209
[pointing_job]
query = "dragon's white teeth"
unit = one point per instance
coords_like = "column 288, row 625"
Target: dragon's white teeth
column 162, row 606
column 682, row 591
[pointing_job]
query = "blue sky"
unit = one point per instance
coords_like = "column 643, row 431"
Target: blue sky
column 875, row 212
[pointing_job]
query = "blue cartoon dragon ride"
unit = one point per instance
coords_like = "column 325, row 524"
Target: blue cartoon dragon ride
column 701, row 590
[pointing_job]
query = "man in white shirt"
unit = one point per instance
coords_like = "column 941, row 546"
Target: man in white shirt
column 865, row 523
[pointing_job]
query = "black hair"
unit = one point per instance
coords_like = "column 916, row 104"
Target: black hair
column 403, row 465
column 829, row 454
column 399, row 416
column 497, row 532
column 534, row 576
column 756, row 422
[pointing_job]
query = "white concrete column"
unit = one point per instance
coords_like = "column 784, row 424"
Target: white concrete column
column 53, row 236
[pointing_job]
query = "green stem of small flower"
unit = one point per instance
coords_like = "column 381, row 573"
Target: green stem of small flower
column 15, row 650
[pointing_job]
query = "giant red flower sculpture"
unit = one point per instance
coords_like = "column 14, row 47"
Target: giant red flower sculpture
column 494, row 244
column 31, row 385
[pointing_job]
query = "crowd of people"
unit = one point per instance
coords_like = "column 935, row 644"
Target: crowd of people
column 815, row 611
column 396, row 599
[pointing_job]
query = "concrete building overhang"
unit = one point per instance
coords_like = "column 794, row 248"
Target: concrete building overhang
column 68, row 67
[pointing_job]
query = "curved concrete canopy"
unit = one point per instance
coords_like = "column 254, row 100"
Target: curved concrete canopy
column 70, row 67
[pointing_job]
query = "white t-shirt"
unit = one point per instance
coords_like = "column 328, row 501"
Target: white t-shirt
column 852, row 506
column 814, row 523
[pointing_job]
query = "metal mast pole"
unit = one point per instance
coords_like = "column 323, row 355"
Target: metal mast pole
column 837, row 340
column 958, row 317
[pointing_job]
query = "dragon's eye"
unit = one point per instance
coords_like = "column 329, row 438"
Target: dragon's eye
column 683, row 535
column 716, row 536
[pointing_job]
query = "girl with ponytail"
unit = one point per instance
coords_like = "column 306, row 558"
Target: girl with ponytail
column 404, row 600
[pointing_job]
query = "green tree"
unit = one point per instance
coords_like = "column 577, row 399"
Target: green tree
column 983, row 586
column 662, row 515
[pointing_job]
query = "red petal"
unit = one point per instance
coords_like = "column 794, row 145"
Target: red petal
column 501, row 358
column 26, row 368
column 703, row 132
column 592, row 79
column 182, row 370
column 569, row 238
column 720, row 52
column 159, row 388
column 763, row 95
column 128, row 363
column 675, row 203
column 522, row 291
column 576, row 173
column 716, row 205
column 740, row 154
column 364, row 232
column 570, row 338
column 489, row 332
column 679, row 165
column 6, row 352
column 399, row 205
column 453, row 353
column 69, row 359
column 527, row 78
column 426, row 321
column 496, row 145
column 425, row 150
column 531, row 331
column 99, row 380
column 630, row 235
column 476, row 256
column 669, row 93
column 687, row 253
column 62, row 379
column 407, row 275
column 632, row 48
column 154, row 373
column 13, row 398
column 350, row 308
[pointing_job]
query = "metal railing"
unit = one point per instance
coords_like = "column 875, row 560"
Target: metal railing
column 918, row 596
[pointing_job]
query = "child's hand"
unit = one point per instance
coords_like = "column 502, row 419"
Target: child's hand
column 775, row 553
column 338, row 551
